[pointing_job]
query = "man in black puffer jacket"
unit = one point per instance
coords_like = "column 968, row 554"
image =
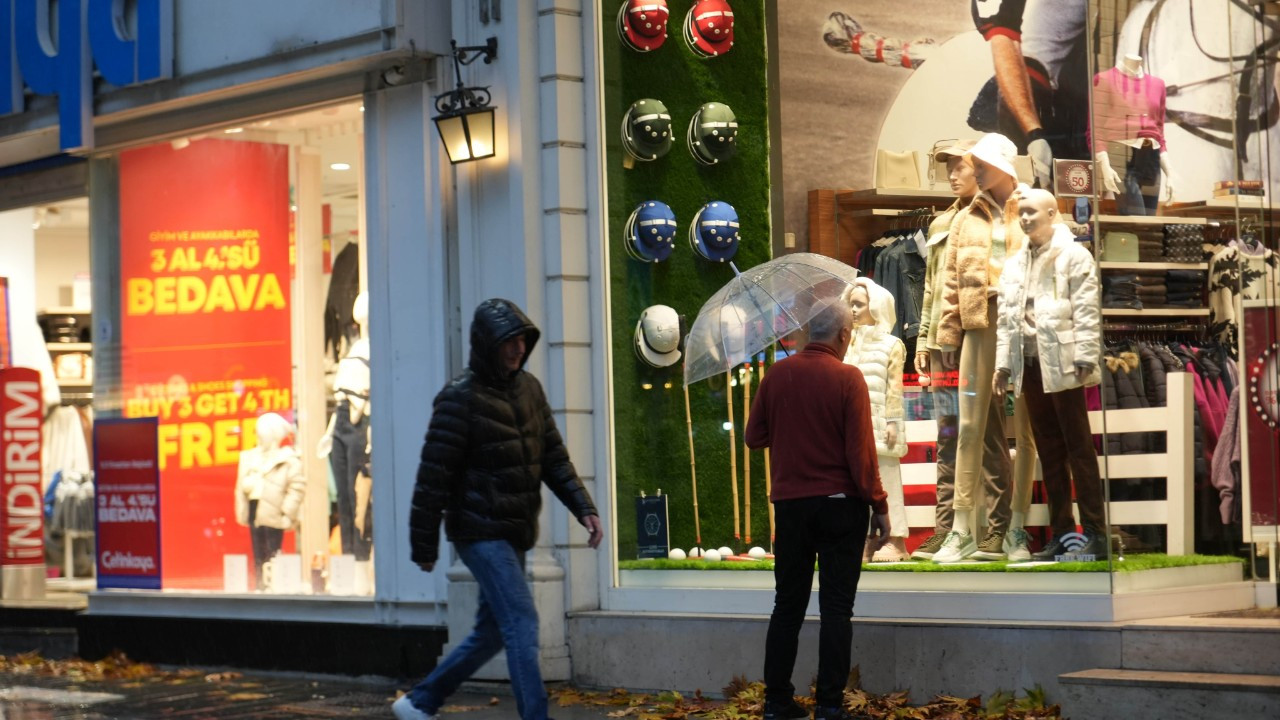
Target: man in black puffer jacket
column 491, row 445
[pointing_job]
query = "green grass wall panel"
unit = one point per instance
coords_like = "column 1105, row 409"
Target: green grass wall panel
column 650, row 437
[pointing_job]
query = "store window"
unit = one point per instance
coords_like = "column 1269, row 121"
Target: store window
column 853, row 142
column 242, row 331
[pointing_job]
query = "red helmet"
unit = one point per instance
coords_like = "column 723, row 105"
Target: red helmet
column 708, row 28
column 642, row 24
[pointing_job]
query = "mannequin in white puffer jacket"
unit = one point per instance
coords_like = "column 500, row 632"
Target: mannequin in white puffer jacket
column 880, row 357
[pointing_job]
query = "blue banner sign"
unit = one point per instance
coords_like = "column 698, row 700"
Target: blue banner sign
column 56, row 55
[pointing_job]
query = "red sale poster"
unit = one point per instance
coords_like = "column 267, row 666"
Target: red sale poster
column 127, row 514
column 21, row 504
column 204, row 260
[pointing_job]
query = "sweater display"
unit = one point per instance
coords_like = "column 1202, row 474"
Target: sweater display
column 1127, row 108
column 1239, row 271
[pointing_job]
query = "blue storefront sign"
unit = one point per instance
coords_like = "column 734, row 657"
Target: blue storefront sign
column 88, row 33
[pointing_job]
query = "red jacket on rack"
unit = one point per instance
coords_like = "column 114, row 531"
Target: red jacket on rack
column 814, row 413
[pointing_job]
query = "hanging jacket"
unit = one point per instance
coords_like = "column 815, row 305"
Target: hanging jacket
column 1155, row 382
column 982, row 236
column 1121, row 393
column 274, row 476
column 1224, row 470
column 880, row 356
column 1062, row 282
column 934, row 279
column 490, row 446
column 900, row 270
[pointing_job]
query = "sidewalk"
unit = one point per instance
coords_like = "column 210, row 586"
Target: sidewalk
column 233, row 696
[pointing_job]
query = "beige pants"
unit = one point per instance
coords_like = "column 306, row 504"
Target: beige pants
column 1024, row 462
column 891, row 480
column 981, row 448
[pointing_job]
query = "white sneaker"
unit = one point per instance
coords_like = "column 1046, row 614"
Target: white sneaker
column 405, row 710
column 956, row 547
column 1017, row 545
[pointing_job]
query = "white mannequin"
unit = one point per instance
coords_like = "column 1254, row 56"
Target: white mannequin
column 1130, row 65
column 881, row 356
column 270, row 480
column 352, row 377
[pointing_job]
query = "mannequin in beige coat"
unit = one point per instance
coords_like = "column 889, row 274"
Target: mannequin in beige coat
column 269, row 489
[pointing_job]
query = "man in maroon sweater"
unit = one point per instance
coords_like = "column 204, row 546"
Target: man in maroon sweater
column 813, row 412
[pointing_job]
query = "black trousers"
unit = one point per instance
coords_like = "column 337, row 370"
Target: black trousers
column 346, row 457
column 833, row 531
column 266, row 542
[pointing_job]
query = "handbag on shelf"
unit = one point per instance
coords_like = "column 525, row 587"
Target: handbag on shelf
column 897, row 169
column 1026, row 173
column 1120, row 247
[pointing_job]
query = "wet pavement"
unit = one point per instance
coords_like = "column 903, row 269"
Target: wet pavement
column 229, row 695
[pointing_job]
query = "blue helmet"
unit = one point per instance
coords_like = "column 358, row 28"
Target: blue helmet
column 713, row 234
column 650, row 233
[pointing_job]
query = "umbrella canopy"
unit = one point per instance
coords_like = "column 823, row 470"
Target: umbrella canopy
column 760, row 306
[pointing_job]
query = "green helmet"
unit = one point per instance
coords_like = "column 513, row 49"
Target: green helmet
column 713, row 133
column 646, row 130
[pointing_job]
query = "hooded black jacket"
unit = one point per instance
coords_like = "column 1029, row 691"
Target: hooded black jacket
column 491, row 444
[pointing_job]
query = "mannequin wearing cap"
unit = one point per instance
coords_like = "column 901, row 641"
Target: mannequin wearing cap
column 1048, row 342
column 269, row 489
column 347, row 440
column 928, row 357
column 982, row 236
column 1128, row 135
column 880, row 356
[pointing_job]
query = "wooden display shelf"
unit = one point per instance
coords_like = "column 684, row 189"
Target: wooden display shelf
column 1148, row 220
column 1104, row 265
column 1156, row 312
column 897, row 198
column 1222, row 208
column 70, row 384
column 55, row 347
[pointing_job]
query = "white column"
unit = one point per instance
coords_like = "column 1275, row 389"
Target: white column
column 308, row 352
column 408, row 328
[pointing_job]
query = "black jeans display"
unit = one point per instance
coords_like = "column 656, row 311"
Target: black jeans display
column 1060, row 424
column 346, row 458
column 834, row 531
column 266, row 542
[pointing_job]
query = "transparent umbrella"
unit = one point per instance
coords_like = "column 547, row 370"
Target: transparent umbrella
column 758, row 307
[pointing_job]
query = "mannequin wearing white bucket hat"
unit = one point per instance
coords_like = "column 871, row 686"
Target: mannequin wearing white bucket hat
column 983, row 235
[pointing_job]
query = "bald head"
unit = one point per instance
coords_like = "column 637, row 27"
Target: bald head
column 1037, row 213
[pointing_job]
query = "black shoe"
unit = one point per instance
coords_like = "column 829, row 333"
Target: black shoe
column 1097, row 546
column 790, row 710
column 1050, row 551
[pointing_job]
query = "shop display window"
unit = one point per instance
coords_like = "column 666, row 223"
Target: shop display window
column 1159, row 186
column 241, row 332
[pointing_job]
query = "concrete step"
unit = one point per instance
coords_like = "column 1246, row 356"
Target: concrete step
column 1107, row 694
column 1203, row 645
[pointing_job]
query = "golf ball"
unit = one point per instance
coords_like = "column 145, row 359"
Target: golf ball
column 695, row 552
column 756, row 552
column 711, row 556
column 725, row 551
column 676, row 554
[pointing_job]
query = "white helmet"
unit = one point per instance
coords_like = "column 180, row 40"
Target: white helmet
column 657, row 340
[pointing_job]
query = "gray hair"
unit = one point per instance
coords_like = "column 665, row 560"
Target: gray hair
column 833, row 316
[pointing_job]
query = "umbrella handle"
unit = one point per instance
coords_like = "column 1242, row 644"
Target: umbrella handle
column 746, row 457
column 733, row 454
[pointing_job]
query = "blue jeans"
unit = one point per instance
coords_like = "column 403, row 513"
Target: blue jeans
column 506, row 618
